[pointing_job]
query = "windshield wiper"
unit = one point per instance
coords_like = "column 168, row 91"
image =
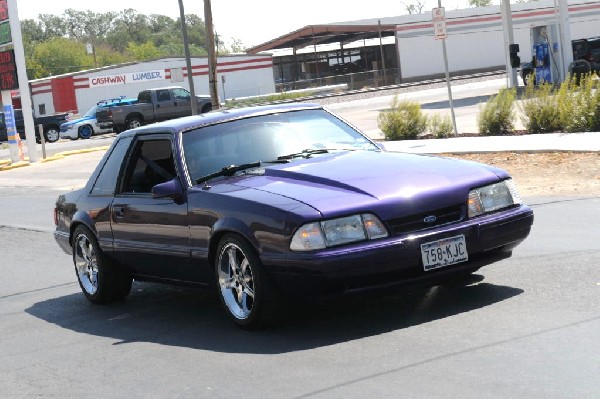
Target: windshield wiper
column 228, row 171
column 305, row 153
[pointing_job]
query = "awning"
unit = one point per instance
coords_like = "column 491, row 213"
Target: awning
column 325, row 34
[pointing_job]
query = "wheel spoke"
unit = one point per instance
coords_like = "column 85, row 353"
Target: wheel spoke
column 232, row 261
column 249, row 291
column 226, row 283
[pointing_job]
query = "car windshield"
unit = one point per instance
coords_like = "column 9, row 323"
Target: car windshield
column 268, row 138
column 91, row 113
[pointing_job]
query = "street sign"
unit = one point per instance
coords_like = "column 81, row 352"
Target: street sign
column 439, row 23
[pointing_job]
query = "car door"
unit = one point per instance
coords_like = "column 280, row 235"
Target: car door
column 151, row 235
column 165, row 105
column 182, row 102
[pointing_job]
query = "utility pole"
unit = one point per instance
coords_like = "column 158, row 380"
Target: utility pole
column 212, row 56
column 188, row 59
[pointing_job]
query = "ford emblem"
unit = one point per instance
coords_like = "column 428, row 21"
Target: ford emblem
column 430, row 219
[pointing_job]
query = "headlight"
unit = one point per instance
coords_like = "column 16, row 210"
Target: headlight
column 493, row 197
column 330, row 233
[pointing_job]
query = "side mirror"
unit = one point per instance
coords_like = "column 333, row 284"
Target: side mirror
column 168, row 189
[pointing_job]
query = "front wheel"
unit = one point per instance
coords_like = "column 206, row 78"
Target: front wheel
column 100, row 280
column 51, row 134
column 244, row 288
column 85, row 132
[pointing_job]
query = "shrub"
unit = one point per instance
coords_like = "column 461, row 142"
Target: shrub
column 403, row 121
column 496, row 116
column 440, row 127
column 539, row 109
column 577, row 103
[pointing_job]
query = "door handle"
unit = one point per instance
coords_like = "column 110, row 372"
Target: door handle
column 119, row 211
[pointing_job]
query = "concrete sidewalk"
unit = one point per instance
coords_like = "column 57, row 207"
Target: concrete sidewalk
column 577, row 142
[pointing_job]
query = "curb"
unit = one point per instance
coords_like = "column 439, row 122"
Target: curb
column 7, row 164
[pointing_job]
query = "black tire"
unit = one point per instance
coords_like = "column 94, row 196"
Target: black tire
column 527, row 76
column 51, row 134
column 206, row 108
column 101, row 281
column 133, row 122
column 246, row 293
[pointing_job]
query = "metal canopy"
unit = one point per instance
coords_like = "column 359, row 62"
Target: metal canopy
column 325, row 34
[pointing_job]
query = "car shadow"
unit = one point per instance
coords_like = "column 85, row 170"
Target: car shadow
column 194, row 319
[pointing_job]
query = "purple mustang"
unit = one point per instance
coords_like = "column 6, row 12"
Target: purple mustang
column 277, row 202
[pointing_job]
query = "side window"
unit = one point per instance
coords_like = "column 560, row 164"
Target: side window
column 145, row 97
column 181, row 94
column 151, row 163
column 107, row 178
column 163, row 95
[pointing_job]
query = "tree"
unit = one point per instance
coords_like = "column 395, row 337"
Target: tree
column 143, row 52
column 60, row 55
column 415, row 7
column 480, row 3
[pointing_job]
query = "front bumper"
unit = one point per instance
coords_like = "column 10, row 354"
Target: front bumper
column 69, row 134
column 397, row 261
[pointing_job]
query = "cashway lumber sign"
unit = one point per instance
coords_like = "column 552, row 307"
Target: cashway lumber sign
column 439, row 23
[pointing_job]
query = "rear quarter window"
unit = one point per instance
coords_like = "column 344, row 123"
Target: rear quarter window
column 106, row 181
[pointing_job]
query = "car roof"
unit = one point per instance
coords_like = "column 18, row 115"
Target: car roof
column 220, row 116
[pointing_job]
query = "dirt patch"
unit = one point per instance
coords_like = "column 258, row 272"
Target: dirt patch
column 547, row 174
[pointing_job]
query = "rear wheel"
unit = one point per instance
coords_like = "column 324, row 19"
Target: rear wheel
column 85, row 131
column 133, row 122
column 51, row 134
column 100, row 280
column 244, row 288
column 206, row 108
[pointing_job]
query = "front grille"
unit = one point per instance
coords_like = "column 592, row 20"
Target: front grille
column 416, row 222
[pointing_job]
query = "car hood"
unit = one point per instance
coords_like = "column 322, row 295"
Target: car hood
column 80, row 120
column 391, row 183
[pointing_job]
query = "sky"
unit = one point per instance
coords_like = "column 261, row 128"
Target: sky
column 253, row 22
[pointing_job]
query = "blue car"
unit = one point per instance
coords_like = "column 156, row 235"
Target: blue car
column 87, row 126
column 276, row 203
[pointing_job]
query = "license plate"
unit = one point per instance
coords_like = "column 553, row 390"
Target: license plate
column 445, row 252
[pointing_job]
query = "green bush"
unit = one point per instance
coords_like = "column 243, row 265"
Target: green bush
column 496, row 116
column 540, row 109
column 404, row 121
column 440, row 127
column 577, row 104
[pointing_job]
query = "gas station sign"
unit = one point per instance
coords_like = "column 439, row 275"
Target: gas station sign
column 5, row 36
column 3, row 10
column 8, row 71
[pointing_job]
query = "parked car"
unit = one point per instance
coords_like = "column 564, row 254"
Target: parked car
column 51, row 125
column 284, row 201
column 152, row 105
column 87, row 126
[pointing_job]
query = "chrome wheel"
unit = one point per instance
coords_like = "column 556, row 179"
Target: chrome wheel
column 86, row 264
column 101, row 280
column 236, row 280
column 133, row 123
column 52, row 135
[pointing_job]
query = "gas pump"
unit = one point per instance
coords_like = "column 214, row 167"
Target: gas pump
column 546, row 54
column 543, row 72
